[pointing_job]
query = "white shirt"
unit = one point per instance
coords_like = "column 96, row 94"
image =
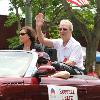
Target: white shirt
column 72, row 51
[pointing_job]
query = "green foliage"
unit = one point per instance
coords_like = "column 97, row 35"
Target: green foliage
column 17, row 3
column 87, row 17
column 11, row 19
column 54, row 32
column 13, row 42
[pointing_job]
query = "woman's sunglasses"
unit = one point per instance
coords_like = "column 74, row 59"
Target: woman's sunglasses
column 22, row 34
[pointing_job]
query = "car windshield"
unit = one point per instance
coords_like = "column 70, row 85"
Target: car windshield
column 14, row 63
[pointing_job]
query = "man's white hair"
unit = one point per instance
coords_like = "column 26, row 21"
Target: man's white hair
column 68, row 23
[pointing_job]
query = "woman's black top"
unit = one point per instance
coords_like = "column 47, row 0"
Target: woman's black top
column 36, row 46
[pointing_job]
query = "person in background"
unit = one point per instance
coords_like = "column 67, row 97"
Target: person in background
column 69, row 51
column 28, row 38
column 44, row 63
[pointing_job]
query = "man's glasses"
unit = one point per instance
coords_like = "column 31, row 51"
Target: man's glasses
column 22, row 34
column 64, row 29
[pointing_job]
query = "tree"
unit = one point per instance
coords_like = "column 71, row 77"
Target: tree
column 28, row 12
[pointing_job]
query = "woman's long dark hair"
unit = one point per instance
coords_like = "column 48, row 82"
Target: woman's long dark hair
column 31, row 33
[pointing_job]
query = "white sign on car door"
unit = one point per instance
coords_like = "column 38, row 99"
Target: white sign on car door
column 62, row 92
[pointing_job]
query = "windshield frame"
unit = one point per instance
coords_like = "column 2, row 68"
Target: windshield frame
column 18, row 58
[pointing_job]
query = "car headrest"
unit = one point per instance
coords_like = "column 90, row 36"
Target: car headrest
column 44, row 71
column 46, row 68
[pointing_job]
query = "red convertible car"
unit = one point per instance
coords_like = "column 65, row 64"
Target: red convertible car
column 17, row 81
